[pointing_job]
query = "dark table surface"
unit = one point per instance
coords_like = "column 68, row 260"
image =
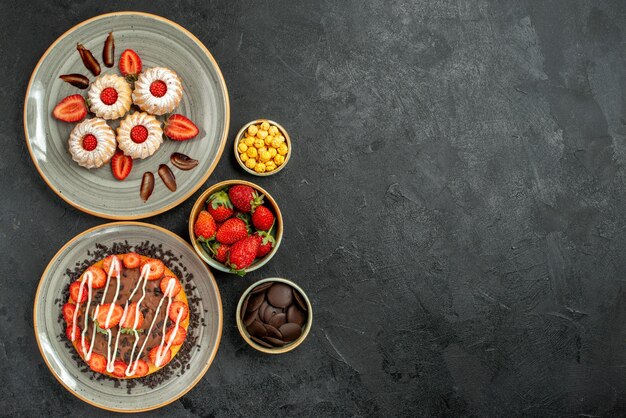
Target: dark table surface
column 454, row 206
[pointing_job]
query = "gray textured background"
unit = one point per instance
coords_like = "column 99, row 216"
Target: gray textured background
column 454, row 205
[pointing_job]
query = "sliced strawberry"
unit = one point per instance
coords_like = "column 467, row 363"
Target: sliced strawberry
column 119, row 368
column 68, row 312
column 75, row 291
column 116, row 314
column 179, row 128
column 165, row 356
column 70, row 109
column 180, row 336
column 129, row 320
column 132, row 260
column 130, row 64
column 165, row 282
column 82, row 349
column 98, row 277
column 140, row 367
column 98, row 363
column 121, row 165
column 157, row 268
column 68, row 332
column 175, row 308
column 106, row 266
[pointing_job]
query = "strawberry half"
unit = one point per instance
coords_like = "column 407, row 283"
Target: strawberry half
column 121, row 165
column 180, row 336
column 98, row 363
column 70, row 109
column 68, row 312
column 175, row 309
column 165, row 356
column 119, row 368
column 132, row 260
column 179, row 128
column 140, row 368
column 130, row 64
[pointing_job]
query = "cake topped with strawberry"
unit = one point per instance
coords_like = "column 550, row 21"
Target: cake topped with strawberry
column 92, row 143
column 139, row 135
column 110, row 97
column 127, row 315
column 158, row 91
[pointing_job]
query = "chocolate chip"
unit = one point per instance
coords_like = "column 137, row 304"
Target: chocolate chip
column 290, row 331
column 295, row 315
column 262, row 287
column 280, row 295
column 257, row 329
column 300, row 300
column 275, row 341
column 255, row 301
column 269, row 312
column 278, row 320
column 273, row 332
column 260, row 342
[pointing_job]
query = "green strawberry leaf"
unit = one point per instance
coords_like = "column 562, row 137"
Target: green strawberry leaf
column 130, row 331
column 220, row 198
column 98, row 329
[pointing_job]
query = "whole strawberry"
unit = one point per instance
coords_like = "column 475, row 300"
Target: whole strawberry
column 219, row 206
column 231, row 231
column 262, row 218
column 266, row 243
column 205, row 225
column 220, row 251
column 244, row 197
column 242, row 254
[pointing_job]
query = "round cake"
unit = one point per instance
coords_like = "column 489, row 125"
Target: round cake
column 158, row 91
column 92, row 143
column 139, row 135
column 110, row 97
column 127, row 315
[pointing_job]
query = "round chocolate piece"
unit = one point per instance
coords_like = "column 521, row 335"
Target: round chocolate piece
column 261, row 287
column 255, row 301
column 257, row 329
column 295, row 315
column 278, row 320
column 300, row 300
column 273, row 332
column 244, row 306
column 250, row 317
column 275, row 341
column 270, row 312
column 290, row 331
column 280, row 295
column 260, row 342
column 263, row 307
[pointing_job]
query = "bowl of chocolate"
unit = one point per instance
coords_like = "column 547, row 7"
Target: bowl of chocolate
column 274, row 315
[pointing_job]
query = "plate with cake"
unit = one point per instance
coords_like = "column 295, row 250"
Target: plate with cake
column 126, row 115
column 127, row 317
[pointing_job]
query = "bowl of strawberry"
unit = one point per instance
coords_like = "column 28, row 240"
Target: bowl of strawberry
column 235, row 226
